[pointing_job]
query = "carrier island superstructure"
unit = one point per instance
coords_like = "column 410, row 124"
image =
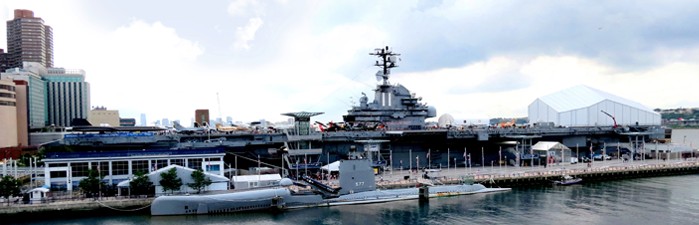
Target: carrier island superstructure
column 390, row 129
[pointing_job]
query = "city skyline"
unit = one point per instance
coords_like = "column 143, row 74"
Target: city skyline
column 472, row 59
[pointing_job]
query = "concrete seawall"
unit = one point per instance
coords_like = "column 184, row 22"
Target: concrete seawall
column 72, row 209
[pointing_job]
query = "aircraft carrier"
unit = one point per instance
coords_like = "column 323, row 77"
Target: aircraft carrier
column 391, row 130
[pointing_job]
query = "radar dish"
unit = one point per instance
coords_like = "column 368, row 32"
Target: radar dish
column 445, row 120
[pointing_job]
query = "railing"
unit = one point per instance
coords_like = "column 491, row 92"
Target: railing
column 60, row 155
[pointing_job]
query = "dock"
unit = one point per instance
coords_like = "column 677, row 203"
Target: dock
column 512, row 177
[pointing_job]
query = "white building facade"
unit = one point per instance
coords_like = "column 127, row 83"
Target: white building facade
column 65, row 170
column 582, row 106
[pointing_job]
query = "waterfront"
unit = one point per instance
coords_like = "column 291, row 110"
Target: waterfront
column 666, row 200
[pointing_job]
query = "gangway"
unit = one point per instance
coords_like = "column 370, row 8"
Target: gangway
column 320, row 185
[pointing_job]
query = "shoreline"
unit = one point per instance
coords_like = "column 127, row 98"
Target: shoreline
column 513, row 177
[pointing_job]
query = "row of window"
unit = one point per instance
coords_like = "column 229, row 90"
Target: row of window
column 8, row 103
column 6, row 95
column 80, row 169
column 7, row 87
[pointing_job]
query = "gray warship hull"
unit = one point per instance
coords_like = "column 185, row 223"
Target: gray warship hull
column 283, row 199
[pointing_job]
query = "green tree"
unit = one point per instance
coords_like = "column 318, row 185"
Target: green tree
column 200, row 180
column 9, row 186
column 170, row 181
column 92, row 184
column 140, row 185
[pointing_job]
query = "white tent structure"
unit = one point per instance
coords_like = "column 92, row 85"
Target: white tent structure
column 38, row 194
column 218, row 182
column 583, row 106
column 332, row 167
column 255, row 181
column 552, row 148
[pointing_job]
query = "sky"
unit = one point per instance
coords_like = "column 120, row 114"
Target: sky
column 255, row 60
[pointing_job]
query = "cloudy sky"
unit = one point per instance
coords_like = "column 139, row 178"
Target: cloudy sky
column 471, row 59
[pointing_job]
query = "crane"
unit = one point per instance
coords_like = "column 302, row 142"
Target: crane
column 610, row 115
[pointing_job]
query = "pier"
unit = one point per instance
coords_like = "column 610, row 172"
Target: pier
column 513, row 177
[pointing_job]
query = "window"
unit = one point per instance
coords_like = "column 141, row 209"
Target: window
column 160, row 163
column 102, row 167
column 120, row 168
column 213, row 168
column 139, row 166
column 58, row 174
column 179, row 162
column 79, row 169
column 194, row 163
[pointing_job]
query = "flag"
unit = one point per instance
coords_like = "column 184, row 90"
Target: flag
column 428, row 154
column 464, row 154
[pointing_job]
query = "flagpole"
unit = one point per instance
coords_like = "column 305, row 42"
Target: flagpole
column 448, row 161
column 258, row 170
column 429, row 159
column 500, row 157
column 410, row 159
column 465, row 162
column 482, row 159
column 390, row 159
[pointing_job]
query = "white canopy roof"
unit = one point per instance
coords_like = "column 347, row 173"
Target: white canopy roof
column 333, row 167
column 183, row 173
column 247, row 178
column 582, row 96
column 40, row 189
column 549, row 145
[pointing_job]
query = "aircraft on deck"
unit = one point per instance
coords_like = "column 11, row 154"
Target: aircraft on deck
column 190, row 130
column 232, row 128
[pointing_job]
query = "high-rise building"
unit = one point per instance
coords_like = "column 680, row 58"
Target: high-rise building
column 4, row 60
column 101, row 116
column 8, row 114
column 201, row 116
column 36, row 91
column 166, row 122
column 21, row 93
column 68, row 96
column 143, row 120
column 29, row 40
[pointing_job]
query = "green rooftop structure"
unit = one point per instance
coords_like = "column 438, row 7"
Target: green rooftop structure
column 302, row 121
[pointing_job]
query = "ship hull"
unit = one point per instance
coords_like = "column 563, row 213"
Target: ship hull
column 283, row 199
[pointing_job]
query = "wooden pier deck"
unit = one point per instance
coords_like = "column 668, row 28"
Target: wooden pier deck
column 508, row 176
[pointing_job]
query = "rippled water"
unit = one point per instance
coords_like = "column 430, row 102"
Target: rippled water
column 661, row 200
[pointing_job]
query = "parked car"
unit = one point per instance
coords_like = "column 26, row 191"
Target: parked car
column 599, row 157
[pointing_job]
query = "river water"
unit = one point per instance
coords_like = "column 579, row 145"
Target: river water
column 659, row 200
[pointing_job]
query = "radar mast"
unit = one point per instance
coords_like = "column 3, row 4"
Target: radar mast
column 387, row 61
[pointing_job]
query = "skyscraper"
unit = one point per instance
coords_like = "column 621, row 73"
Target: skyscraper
column 29, row 40
column 143, row 120
column 8, row 114
column 68, row 96
column 4, row 60
column 36, row 91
